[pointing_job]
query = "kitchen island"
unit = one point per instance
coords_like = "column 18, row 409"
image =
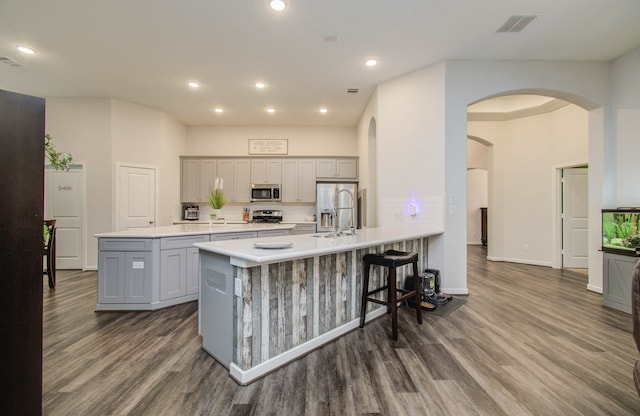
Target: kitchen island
column 153, row 268
column 261, row 308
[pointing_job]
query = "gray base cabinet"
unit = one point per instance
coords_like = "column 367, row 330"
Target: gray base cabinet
column 125, row 272
column 154, row 273
column 617, row 273
column 178, row 269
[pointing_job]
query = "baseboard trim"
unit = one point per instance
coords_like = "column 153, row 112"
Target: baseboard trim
column 519, row 261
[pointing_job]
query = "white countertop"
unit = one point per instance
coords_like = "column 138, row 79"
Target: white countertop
column 244, row 253
column 192, row 229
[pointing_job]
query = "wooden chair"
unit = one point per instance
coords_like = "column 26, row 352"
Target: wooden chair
column 49, row 250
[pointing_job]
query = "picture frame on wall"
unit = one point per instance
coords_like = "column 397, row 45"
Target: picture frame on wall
column 268, row 146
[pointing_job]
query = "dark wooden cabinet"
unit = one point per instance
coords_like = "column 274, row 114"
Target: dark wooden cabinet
column 21, row 245
column 483, row 221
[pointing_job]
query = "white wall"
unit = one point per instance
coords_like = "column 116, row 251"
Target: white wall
column 527, row 152
column 82, row 127
column 102, row 132
column 626, row 119
column 302, row 141
column 410, row 163
column 477, row 155
column 422, row 131
column 146, row 137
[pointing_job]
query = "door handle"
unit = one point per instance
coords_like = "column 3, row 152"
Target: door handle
column 150, row 222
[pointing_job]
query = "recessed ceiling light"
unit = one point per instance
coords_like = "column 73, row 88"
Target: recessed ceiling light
column 25, row 50
column 277, row 5
column 218, row 110
column 260, row 84
column 271, row 110
column 323, row 110
column 193, row 84
column 371, row 62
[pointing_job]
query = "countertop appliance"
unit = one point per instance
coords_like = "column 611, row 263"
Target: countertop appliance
column 267, row 215
column 265, row 193
column 336, row 206
column 190, row 212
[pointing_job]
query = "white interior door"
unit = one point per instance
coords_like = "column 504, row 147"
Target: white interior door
column 64, row 202
column 575, row 185
column 136, row 206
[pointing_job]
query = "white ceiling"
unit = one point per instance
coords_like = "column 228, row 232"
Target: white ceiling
column 145, row 51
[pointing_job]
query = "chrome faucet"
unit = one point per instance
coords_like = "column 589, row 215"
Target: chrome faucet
column 336, row 208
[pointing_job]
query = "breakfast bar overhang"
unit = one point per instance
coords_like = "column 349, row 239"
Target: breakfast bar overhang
column 265, row 303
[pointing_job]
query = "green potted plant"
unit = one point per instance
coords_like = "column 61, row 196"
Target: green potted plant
column 217, row 199
column 59, row 160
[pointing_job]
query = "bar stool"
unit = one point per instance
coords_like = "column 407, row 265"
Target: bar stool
column 391, row 259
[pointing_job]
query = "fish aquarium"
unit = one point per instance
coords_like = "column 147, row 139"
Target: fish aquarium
column 621, row 231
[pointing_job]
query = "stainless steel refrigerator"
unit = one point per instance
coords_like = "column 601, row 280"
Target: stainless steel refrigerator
column 336, row 205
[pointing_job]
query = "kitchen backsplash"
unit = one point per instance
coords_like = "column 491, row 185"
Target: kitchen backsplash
column 234, row 212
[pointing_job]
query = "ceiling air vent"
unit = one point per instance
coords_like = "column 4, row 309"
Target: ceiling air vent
column 352, row 91
column 8, row 61
column 516, row 23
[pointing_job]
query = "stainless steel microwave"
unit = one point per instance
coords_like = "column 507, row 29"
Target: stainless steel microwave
column 265, row 193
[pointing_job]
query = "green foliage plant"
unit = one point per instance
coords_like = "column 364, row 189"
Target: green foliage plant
column 59, row 160
column 217, row 199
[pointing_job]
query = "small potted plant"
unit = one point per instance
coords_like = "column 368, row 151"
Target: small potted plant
column 217, row 199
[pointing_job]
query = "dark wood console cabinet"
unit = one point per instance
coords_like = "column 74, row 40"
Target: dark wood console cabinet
column 483, row 221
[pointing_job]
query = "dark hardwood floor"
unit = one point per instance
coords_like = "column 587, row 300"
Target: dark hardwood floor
column 529, row 341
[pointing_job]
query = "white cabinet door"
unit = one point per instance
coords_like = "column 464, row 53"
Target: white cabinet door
column 136, row 196
column 266, row 171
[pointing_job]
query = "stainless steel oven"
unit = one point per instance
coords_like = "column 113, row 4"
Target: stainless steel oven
column 265, row 193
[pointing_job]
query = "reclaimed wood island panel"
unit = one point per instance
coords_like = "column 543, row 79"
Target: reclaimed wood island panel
column 262, row 308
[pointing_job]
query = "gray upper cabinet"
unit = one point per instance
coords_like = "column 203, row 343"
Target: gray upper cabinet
column 297, row 176
column 299, row 180
column 266, row 171
column 337, row 168
column 198, row 176
column 236, row 177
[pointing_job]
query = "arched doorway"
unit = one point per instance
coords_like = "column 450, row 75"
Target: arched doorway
column 533, row 138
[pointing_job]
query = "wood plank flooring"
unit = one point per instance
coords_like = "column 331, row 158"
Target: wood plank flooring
column 529, row 341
